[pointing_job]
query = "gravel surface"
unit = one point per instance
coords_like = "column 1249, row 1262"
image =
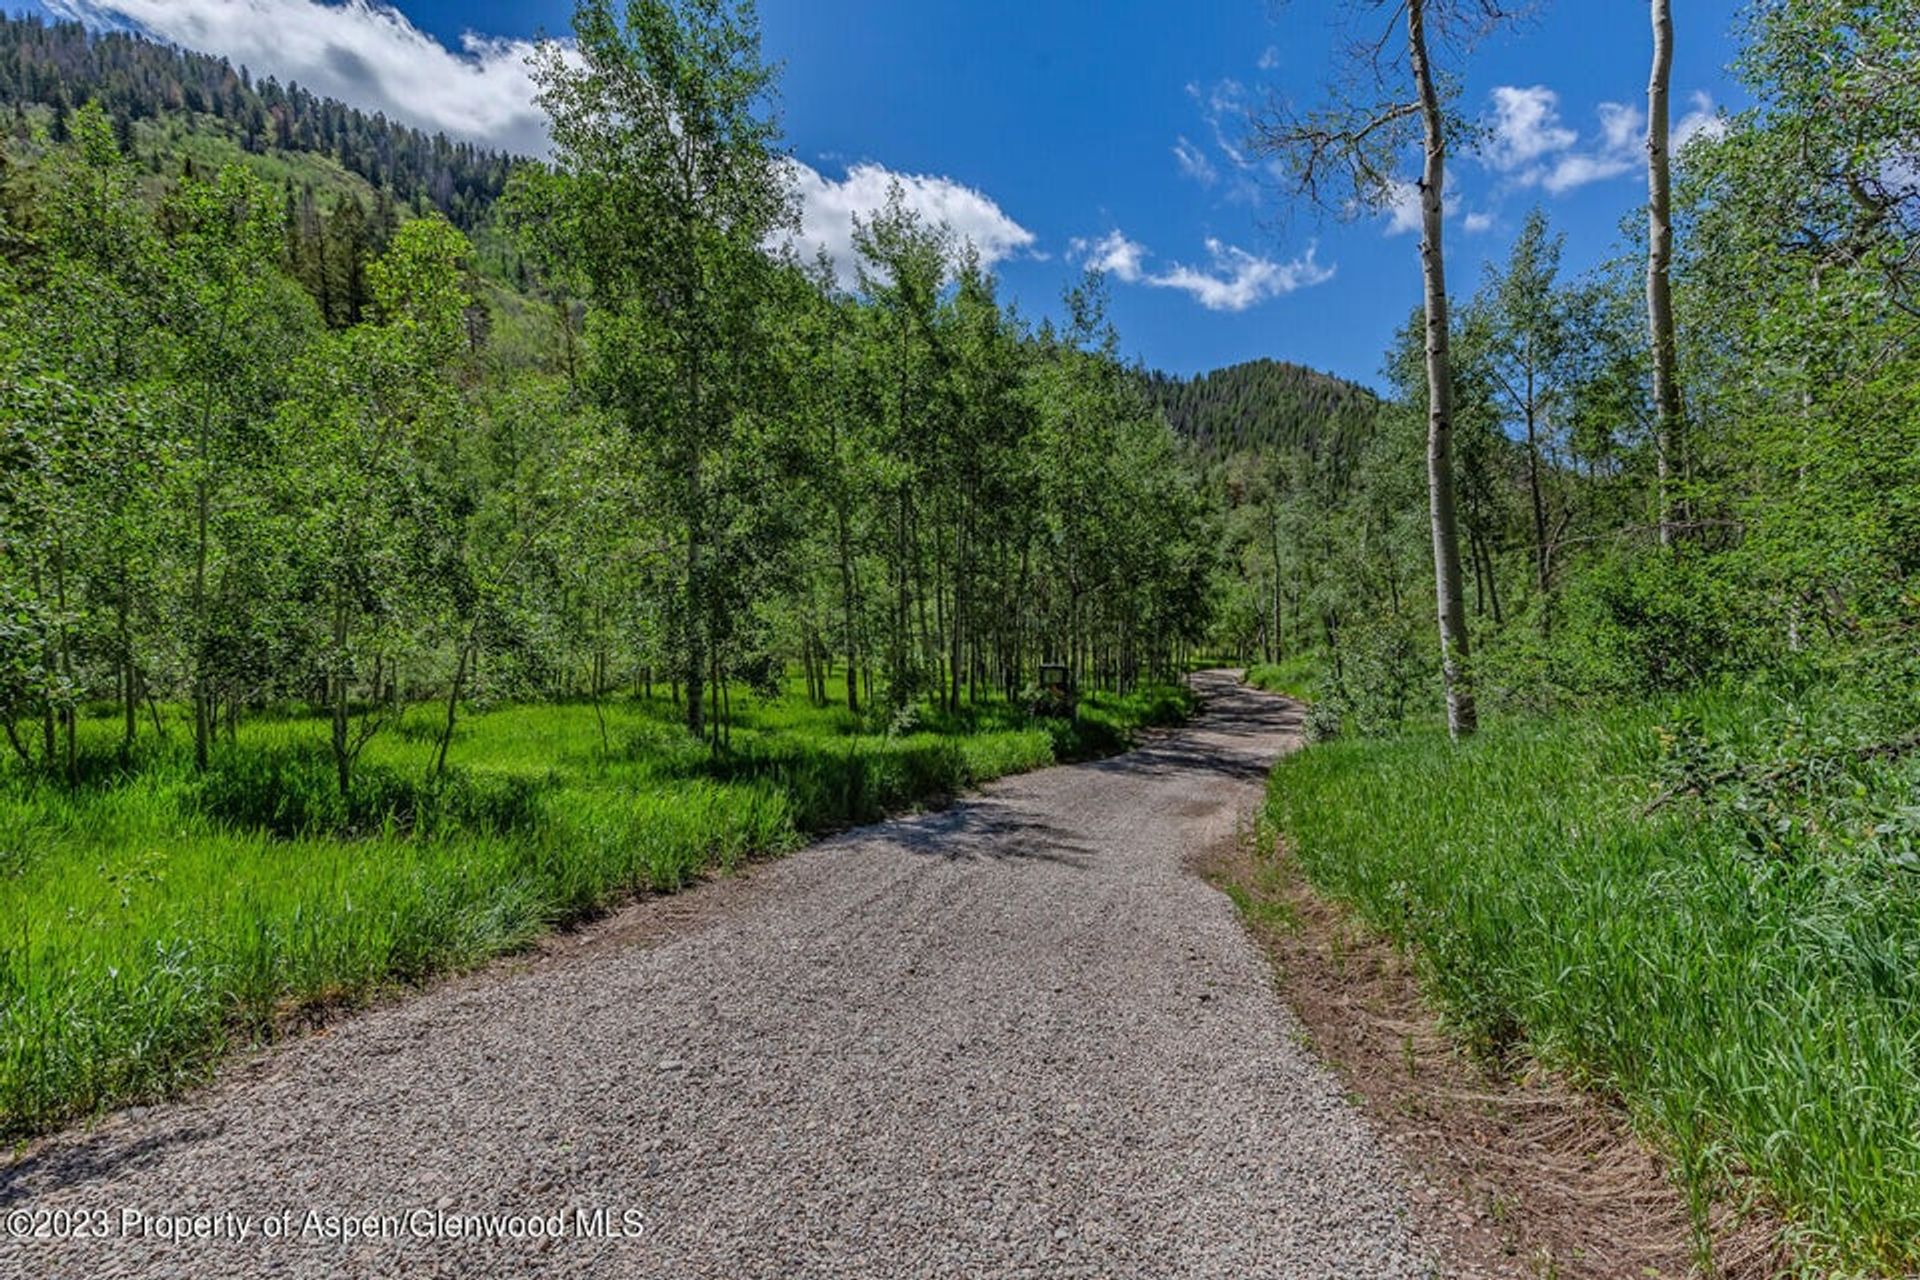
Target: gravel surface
column 1016, row 1037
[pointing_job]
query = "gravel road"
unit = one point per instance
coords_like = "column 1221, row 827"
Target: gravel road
column 1013, row 1038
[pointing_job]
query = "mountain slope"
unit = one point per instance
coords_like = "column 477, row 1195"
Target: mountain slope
column 138, row 81
column 1264, row 405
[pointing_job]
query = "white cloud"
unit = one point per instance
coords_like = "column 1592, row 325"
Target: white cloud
column 828, row 208
column 1237, row 279
column 1622, row 134
column 1269, row 58
column 1232, row 281
column 1579, row 170
column 1475, row 223
column 1529, row 143
column 1622, row 127
column 1403, row 208
column 1194, row 163
column 1525, row 126
column 1112, row 253
column 360, row 52
column 1703, row 121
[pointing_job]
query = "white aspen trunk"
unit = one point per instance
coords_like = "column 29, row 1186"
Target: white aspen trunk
column 1454, row 657
column 1666, row 381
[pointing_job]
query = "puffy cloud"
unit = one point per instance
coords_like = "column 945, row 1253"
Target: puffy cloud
column 1237, row 279
column 828, row 209
column 1233, row 280
column 1525, row 126
column 1475, row 223
column 1269, row 58
column 1112, row 253
column 1622, row 129
column 1528, row 142
column 360, row 52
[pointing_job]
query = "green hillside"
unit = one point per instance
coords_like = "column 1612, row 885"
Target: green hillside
column 138, row 82
column 1266, row 404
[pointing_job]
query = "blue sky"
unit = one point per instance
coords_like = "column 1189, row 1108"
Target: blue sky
column 1062, row 131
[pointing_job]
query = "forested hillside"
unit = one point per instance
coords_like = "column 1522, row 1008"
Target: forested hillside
column 1266, row 405
column 62, row 64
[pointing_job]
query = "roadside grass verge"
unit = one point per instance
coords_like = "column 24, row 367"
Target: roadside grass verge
column 152, row 919
column 1708, row 909
column 1298, row 678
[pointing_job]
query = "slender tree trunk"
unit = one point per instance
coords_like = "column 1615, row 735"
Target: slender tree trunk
column 130, row 706
column 1668, row 439
column 692, row 618
column 847, row 614
column 69, row 713
column 1273, row 539
column 1542, row 563
column 955, row 637
column 1454, row 656
column 342, row 752
column 202, row 729
column 453, row 706
column 1493, row 583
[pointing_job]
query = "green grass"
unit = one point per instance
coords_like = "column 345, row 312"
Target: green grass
column 151, row 919
column 1297, row 678
column 1740, row 967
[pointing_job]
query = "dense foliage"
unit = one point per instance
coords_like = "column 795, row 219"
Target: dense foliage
column 1680, row 863
column 1799, row 546
column 246, row 481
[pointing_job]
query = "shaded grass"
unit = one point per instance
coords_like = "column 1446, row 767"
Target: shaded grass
column 152, row 919
column 1740, row 965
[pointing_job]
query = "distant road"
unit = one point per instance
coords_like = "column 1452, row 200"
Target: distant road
column 1017, row 1037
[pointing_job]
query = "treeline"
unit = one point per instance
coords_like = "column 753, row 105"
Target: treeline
column 680, row 464
column 61, row 65
column 1772, row 527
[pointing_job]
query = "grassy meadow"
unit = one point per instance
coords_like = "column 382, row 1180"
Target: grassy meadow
column 1707, row 907
column 152, row 918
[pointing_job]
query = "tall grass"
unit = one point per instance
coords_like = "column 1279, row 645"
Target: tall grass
column 1708, row 908
column 152, row 918
column 1297, row 677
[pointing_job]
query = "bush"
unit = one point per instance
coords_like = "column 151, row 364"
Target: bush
column 1653, row 622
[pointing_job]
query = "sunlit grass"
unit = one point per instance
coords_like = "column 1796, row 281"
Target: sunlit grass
column 1743, row 969
column 1297, row 677
column 151, row 918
